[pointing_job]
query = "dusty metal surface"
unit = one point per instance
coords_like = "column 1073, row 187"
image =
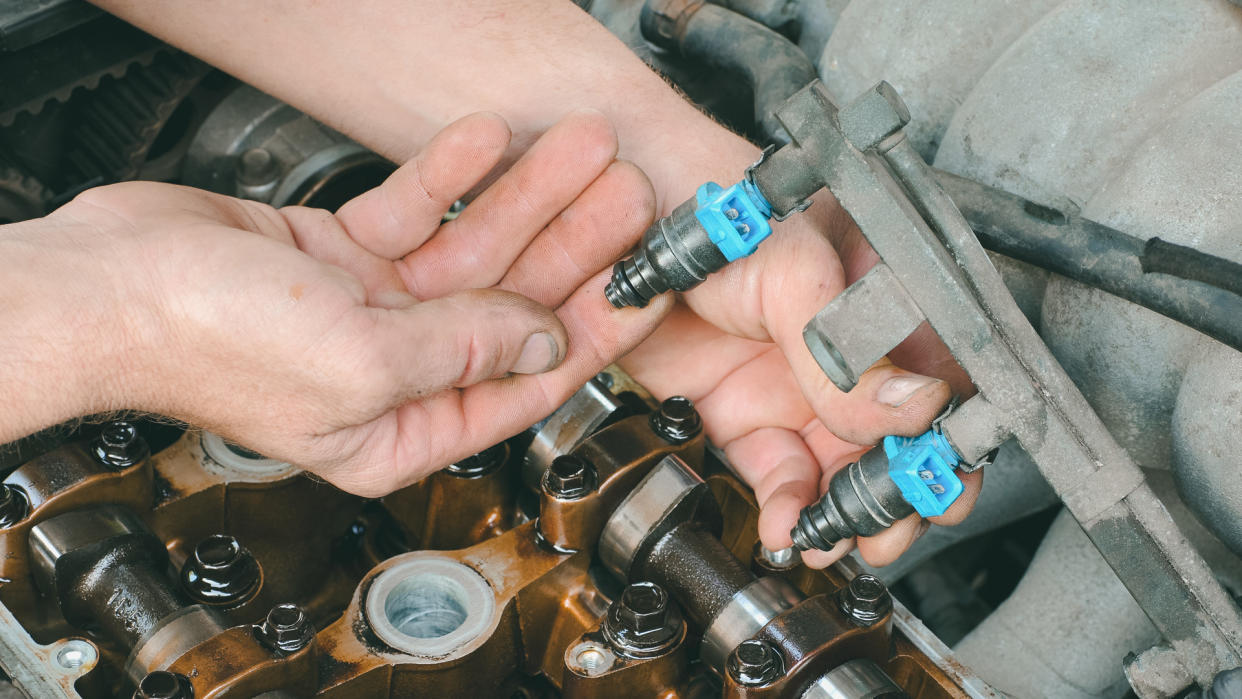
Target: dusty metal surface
column 1022, row 391
column 1126, row 113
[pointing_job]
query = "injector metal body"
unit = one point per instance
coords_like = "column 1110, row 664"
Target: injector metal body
column 901, row 476
column 702, row 235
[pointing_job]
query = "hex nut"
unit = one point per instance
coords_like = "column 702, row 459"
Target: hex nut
column 866, row 600
column 754, row 663
column 220, row 571
column 286, row 629
column 119, row 446
column 14, row 505
column 570, row 477
column 677, row 421
column 641, row 622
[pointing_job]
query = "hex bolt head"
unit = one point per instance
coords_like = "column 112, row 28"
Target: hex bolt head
column 754, row 663
column 286, row 629
column 866, row 600
column 119, row 446
column 14, row 506
column 481, row 464
column 677, row 421
column 570, row 477
column 221, row 572
column 643, row 607
column 162, row 684
column 256, row 166
column 641, row 622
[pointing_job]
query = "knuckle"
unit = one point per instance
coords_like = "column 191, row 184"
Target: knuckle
column 481, row 358
column 599, row 138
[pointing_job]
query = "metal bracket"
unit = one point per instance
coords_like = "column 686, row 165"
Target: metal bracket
column 934, row 268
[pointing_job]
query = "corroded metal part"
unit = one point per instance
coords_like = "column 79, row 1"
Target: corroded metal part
column 507, row 611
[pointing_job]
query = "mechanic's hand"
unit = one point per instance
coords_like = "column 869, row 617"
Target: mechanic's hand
column 277, row 330
column 761, row 406
column 765, row 401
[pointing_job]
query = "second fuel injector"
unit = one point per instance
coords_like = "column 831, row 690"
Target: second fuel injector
column 901, row 476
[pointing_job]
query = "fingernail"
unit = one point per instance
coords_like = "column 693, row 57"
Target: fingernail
column 924, row 525
column 898, row 389
column 539, row 354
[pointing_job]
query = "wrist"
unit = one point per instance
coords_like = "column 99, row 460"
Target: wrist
column 691, row 150
column 65, row 351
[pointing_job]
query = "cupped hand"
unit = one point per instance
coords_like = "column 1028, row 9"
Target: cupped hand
column 377, row 344
column 735, row 346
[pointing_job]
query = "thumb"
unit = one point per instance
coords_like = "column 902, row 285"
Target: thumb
column 468, row 337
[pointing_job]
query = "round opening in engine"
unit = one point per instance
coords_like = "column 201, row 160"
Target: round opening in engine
column 426, row 606
column 430, row 606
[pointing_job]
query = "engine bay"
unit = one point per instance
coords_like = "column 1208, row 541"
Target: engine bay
column 1052, row 188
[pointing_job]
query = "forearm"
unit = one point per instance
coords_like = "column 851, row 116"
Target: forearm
column 390, row 73
column 61, row 353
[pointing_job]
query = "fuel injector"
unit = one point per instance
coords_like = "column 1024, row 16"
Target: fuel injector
column 702, row 235
column 901, row 476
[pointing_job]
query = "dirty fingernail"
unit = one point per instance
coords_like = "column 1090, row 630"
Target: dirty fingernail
column 898, row 389
column 539, row 354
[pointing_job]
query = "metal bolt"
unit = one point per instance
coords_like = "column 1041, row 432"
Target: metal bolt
column 286, row 629
column 569, row 477
column 866, row 599
column 731, row 214
column 480, row 464
column 13, row 505
column 220, row 571
column 641, row 623
column 119, row 446
column 162, row 684
column 256, row 167
column 643, row 607
column 677, row 421
column 781, row 559
column 753, row 663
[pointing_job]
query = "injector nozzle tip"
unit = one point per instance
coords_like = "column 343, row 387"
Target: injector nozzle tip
column 614, row 296
column 806, row 536
column 800, row 543
column 620, row 292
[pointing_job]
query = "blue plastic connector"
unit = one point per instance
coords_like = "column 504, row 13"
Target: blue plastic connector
column 923, row 468
column 736, row 218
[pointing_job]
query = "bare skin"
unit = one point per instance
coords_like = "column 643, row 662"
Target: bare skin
column 275, row 328
column 390, row 73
